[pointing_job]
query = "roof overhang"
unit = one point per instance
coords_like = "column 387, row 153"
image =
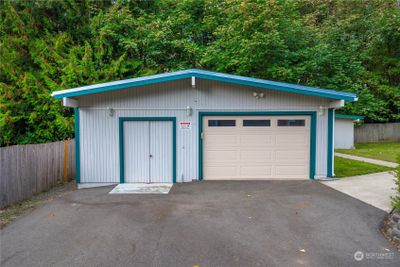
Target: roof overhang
column 349, row 117
column 208, row 75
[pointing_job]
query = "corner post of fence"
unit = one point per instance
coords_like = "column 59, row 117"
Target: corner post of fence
column 65, row 161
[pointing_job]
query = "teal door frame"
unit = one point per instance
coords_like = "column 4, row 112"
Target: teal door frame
column 313, row 131
column 331, row 122
column 121, row 142
column 77, row 146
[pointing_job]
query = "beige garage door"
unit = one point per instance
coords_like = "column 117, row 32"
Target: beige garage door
column 256, row 147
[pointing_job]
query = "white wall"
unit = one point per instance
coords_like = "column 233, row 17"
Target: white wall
column 99, row 132
column 344, row 133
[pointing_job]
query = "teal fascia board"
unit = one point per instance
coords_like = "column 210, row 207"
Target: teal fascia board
column 77, row 146
column 105, row 87
column 330, row 155
column 350, row 117
column 209, row 75
column 313, row 129
column 277, row 86
column 121, row 142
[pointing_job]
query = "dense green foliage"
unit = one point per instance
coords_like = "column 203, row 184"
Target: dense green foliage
column 52, row 45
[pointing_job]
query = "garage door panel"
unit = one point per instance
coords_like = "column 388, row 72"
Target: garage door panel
column 291, row 155
column 256, row 139
column 292, row 170
column 256, row 171
column 256, row 156
column 267, row 151
column 289, row 139
column 214, row 140
column 221, row 172
column 222, row 155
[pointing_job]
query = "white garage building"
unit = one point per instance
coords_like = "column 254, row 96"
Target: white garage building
column 344, row 130
column 194, row 125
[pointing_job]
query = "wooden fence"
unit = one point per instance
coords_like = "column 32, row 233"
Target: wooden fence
column 377, row 132
column 26, row 170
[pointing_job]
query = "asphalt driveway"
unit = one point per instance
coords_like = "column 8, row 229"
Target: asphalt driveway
column 265, row 223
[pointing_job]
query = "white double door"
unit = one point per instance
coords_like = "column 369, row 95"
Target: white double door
column 148, row 151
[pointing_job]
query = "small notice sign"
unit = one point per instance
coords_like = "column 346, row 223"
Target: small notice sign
column 185, row 125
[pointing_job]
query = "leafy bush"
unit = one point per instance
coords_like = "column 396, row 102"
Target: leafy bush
column 53, row 45
column 396, row 198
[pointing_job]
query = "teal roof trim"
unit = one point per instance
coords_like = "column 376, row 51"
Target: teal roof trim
column 209, row 75
column 349, row 117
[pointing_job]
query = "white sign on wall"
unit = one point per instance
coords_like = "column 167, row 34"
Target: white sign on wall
column 185, row 125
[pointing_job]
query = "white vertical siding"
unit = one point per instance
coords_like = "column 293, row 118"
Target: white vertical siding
column 344, row 133
column 99, row 147
column 322, row 145
column 99, row 132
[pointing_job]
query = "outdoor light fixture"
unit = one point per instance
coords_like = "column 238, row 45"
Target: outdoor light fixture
column 110, row 111
column 193, row 82
column 189, row 111
column 321, row 111
column 258, row 95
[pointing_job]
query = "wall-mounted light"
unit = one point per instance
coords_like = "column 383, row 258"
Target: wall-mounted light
column 321, row 111
column 110, row 112
column 189, row 111
column 193, row 82
column 258, row 95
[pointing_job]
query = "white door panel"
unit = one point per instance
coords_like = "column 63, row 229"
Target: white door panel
column 148, row 151
column 161, row 151
column 136, row 151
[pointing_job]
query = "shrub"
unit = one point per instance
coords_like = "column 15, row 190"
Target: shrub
column 396, row 198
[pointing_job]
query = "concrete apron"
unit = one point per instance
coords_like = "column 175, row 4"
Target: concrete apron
column 375, row 189
column 156, row 188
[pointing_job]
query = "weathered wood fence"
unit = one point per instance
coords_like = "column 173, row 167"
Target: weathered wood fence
column 377, row 132
column 26, row 170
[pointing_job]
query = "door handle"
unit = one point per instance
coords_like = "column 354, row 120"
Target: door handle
column 150, row 156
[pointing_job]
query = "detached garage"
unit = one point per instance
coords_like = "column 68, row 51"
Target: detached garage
column 194, row 125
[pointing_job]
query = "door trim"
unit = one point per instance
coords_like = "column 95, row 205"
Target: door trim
column 77, row 146
column 121, row 121
column 313, row 131
column 330, row 150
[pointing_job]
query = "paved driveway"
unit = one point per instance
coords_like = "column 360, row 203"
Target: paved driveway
column 265, row 223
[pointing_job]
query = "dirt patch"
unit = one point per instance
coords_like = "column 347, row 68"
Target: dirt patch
column 9, row 214
column 386, row 225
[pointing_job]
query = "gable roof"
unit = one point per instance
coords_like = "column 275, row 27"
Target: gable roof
column 209, row 75
column 349, row 117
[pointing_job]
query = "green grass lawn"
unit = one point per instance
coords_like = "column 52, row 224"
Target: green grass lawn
column 347, row 167
column 383, row 151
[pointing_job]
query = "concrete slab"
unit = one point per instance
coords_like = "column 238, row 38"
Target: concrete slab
column 374, row 189
column 221, row 223
column 93, row 185
column 155, row 188
column 369, row 160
